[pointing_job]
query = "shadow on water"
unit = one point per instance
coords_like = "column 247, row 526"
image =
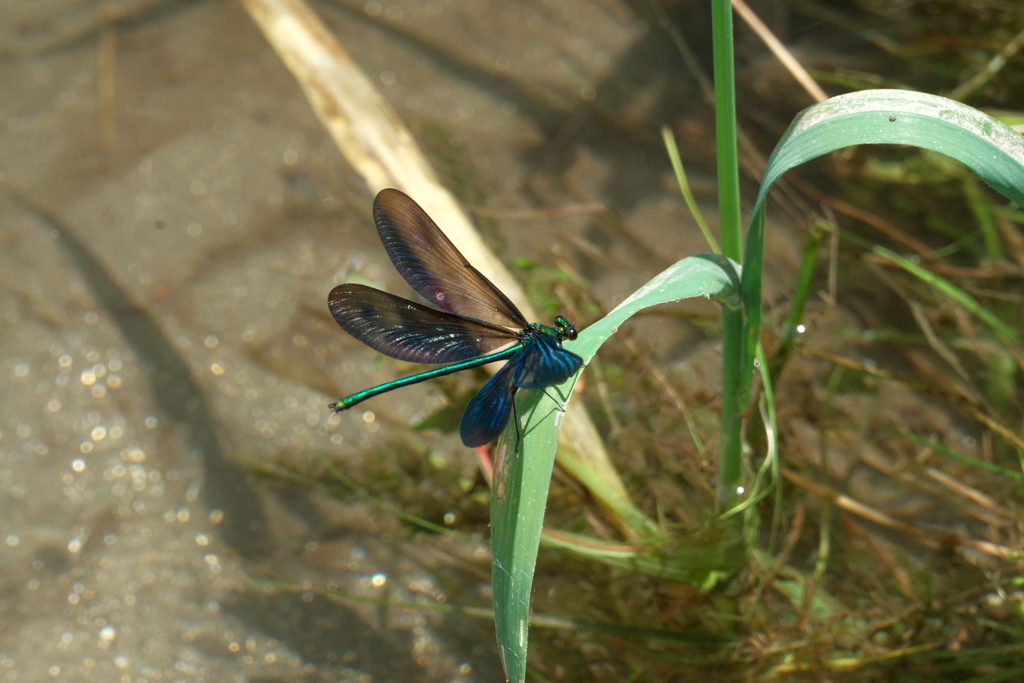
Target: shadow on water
column 565, row 125
column 226, row 487
column 327, row 634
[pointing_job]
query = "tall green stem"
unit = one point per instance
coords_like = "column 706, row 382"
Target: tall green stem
column 729, row 471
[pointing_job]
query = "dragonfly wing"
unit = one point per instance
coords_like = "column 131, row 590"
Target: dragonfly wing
column 543, row 363
column 487, row 413
column 432, row 265
column 408, row 331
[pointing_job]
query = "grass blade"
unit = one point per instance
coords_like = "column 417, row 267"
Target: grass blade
column 520, row 487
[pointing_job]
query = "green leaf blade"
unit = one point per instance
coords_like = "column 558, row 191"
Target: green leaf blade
column 521, row 481
column 994, row 151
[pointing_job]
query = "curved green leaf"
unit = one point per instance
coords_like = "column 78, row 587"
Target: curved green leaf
column 525, row 459
column 992, row 150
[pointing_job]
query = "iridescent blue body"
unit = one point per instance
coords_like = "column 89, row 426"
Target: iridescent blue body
column 475, row 320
